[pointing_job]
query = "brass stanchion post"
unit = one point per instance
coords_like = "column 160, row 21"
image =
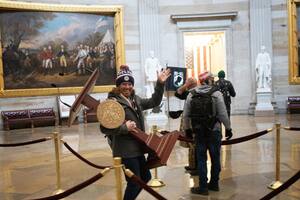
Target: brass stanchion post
column 56, row 138
column 118, row 171
column 155, row 182
column 275, row 184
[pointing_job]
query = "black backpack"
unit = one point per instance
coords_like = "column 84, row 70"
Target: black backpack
column 223, row 88
column 203, row 114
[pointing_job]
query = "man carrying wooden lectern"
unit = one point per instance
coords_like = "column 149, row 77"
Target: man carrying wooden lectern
column 123, row 144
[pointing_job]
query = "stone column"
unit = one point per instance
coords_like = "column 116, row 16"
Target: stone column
column 149, row 41
column 149, row 29
column 260, row 35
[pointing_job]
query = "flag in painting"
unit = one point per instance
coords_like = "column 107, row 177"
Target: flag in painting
column 102, row 21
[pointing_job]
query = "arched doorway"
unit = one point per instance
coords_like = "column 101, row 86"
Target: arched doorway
column 204, row 51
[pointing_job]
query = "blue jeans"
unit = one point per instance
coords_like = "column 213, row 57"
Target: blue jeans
column 138, row 166
column 210, row 141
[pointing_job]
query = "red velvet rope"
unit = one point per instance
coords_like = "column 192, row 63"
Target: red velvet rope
column 181, row 136
column 26, row 143
column 83, row 159
column 245, row 138
column 73, row 189
column 292, row 128
column 185, row 139
column 143, row 185
column 283, row 187
column 225, row 142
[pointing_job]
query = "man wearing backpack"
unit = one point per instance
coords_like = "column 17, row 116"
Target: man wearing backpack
column 227, row 89
column 204, row 111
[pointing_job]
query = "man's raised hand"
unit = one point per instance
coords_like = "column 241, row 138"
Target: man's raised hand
column 163, row 75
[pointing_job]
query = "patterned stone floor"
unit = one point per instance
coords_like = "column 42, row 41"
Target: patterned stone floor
column 28, row 172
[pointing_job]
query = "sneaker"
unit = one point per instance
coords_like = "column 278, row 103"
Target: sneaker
column 214, row 187
column 197, row 190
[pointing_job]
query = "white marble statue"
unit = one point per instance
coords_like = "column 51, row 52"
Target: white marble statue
column 263, row 69
column 152, row 66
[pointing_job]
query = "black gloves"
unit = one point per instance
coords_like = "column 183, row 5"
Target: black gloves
column 228, row 134
column 189, row 133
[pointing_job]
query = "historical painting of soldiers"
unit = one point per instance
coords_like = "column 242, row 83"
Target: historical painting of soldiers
column 56, row 49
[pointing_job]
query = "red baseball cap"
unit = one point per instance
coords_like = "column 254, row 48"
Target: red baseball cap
column 205, row 75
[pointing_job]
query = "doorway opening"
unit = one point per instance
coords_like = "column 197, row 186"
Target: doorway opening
column 204, row 51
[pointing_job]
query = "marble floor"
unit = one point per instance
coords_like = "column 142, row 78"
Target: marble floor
column 28, row 172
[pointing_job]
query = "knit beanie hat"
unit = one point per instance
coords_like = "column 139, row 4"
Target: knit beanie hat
column 221, row 74
column 124, row 75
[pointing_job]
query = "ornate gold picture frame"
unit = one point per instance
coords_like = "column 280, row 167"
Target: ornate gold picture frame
column 51, row 49
column 294, row 41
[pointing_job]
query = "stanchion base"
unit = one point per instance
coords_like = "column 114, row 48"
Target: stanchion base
column 58, row 191
column 274, row 185
column 156, row 183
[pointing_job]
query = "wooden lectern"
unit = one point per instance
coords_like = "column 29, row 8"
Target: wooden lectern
column 84, row 98
column 158, row 147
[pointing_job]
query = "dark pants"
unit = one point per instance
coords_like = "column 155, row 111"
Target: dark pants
column 228, row 110
column 137, row 166
column 210, row 141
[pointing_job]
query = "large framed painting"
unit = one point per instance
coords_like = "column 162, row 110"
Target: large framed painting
column 294, row 41
column 52, row 49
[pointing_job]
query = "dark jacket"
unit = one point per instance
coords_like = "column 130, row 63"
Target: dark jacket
column 123, row 144
column 225, row 86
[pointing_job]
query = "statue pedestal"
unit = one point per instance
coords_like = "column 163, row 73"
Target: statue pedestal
column 158, row 119
column 157, row 116
column 264, row 106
